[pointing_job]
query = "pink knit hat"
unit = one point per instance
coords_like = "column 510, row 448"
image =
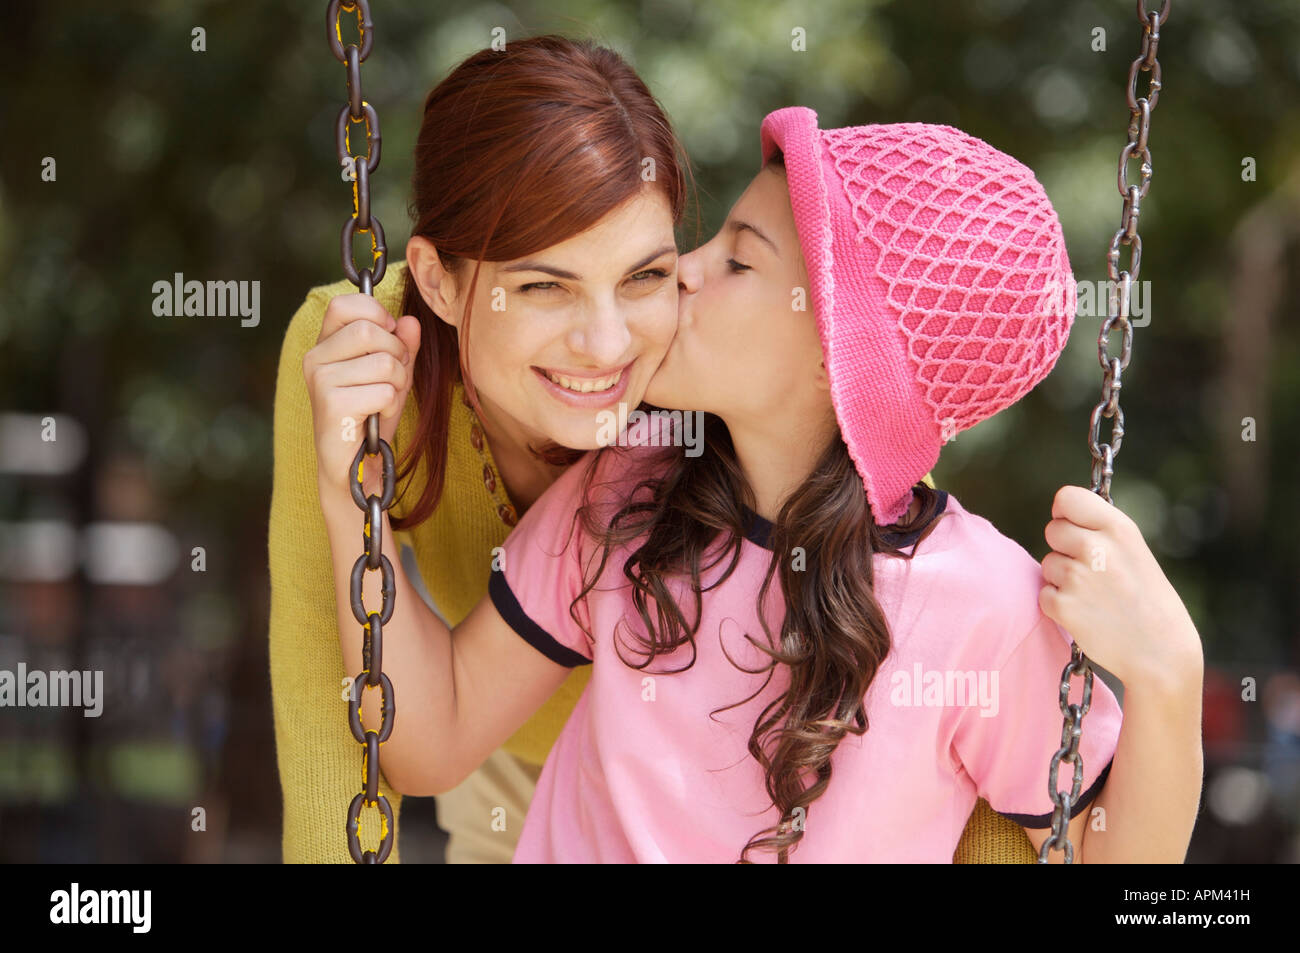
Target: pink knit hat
column 940, row 284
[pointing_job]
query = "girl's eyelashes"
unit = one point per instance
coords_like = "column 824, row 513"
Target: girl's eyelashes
column 736, row 266
column 539, row 286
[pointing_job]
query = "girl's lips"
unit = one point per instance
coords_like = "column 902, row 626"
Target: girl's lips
column 591, row 399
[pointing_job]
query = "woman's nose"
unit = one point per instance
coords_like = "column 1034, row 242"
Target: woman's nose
column 604, row 337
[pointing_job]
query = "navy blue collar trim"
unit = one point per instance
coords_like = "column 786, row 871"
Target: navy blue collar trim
column 759, row 530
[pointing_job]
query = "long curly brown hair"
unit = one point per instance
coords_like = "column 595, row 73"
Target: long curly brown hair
column 691, row 516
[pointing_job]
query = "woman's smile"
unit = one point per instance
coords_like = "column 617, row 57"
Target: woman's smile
column 585, row 389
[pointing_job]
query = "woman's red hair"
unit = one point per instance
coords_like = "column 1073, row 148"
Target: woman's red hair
column 519, row 150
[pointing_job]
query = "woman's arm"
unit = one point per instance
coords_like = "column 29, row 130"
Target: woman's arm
column 458, row 694
column 455, row 699
column 318, row 761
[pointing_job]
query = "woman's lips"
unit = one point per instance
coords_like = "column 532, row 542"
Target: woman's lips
column 588, row 399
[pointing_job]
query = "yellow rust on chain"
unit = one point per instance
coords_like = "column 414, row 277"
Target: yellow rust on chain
column 347, row 144
column 346, row 7
column 383, row 822
column 361, row 10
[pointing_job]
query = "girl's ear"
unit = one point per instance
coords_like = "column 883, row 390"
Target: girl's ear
column 437, row 285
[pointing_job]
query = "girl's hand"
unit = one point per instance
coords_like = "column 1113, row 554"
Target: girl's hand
column 362, row 364
column 1105, row 588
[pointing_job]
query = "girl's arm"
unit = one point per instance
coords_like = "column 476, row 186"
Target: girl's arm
column 1105, row 588
column 1154, row 788
column 459, row 694
column 1147, row 808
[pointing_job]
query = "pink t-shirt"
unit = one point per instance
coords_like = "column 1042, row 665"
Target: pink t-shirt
column 964, row 706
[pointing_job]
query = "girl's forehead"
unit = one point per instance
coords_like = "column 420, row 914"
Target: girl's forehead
column 765, row 204
column 762, row 200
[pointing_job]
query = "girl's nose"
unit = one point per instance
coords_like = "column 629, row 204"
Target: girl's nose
column 689, row 271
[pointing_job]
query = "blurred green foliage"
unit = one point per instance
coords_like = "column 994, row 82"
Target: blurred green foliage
column 220, row 165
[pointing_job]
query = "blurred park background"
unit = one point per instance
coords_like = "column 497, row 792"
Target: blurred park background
column 219, row 164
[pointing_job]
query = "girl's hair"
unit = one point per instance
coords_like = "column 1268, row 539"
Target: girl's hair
column 519, row 150
column 834, row 636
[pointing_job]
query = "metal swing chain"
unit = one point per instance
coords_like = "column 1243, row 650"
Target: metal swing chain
column 357, row 169
column 1103, row 454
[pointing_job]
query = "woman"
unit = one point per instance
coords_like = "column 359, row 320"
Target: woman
column 596, row 313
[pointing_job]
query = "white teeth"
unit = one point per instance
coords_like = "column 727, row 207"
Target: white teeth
column 584, row 386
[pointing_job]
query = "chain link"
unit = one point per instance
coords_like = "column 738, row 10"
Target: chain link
column 1103, row 453
column 357, row 169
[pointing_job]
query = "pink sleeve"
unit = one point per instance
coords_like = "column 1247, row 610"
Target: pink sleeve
column 1007, row 749
column 539, row 573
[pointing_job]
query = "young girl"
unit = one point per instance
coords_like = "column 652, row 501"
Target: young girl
column 803, row 652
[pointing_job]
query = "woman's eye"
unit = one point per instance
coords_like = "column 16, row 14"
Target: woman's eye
column 540, row 286
column 736, row 266
column 652, row 273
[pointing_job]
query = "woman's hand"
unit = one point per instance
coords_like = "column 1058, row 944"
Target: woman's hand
column 362, row 364
column 1105, row 588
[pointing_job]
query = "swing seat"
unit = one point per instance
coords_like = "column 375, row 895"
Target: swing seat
column 990, row 838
